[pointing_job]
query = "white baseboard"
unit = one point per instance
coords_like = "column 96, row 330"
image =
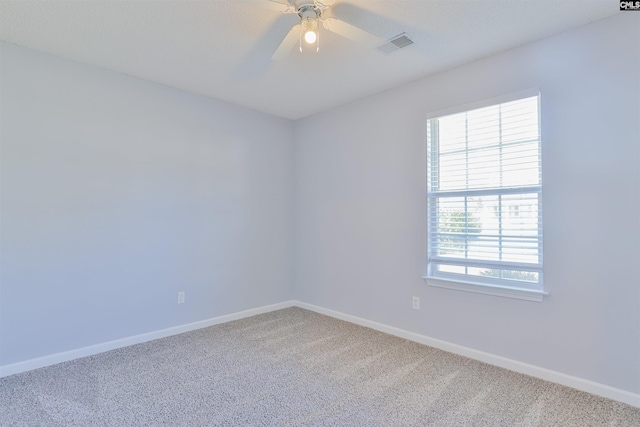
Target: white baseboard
column 588, row 386
column 53, row 359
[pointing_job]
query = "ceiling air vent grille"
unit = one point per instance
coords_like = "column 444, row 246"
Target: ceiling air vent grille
column 397, row 42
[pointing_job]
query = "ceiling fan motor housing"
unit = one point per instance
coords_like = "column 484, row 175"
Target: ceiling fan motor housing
column 309, row 11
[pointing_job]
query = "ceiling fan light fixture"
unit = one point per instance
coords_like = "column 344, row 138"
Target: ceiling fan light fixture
column 310, row 29
column 309, row 26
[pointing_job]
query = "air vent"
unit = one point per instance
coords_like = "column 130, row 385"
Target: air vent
column 397, row 42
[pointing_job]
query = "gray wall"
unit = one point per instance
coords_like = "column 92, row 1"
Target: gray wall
column 361, row 210
column 118, row 193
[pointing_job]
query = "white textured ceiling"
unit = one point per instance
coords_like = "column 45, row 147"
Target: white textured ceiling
column 222, row 48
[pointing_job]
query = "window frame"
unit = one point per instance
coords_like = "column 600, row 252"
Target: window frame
column 489, row 285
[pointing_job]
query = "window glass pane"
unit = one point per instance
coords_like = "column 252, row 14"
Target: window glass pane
column 520, row 121
column 484, row 244
column 520, row 164
column 523, row 276
column 520, row 250
column 450, row 237
column 452, row 133
column 520, row 215
column 484, row 168
column 498, row 273
column 452, row 173
column 483, row 127
column 456, row 269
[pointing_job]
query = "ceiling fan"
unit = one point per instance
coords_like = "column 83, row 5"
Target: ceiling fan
column 306, row 34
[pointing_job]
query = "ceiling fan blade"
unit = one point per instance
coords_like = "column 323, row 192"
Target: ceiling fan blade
column 352, row 32
column 289, row 41
column 277, row 5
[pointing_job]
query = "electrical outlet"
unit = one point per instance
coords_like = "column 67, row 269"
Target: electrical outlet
column 181, row 297
column 416, row 303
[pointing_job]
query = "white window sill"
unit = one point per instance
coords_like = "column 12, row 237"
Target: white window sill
column 487, row 289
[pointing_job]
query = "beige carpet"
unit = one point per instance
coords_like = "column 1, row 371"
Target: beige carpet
column 293, row 367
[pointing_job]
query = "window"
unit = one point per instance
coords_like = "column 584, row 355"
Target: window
column 484, row 202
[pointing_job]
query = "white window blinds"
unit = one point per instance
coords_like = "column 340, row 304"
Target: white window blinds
column 484, row 196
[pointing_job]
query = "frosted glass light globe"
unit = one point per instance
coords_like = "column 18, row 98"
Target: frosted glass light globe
column 310, row 37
